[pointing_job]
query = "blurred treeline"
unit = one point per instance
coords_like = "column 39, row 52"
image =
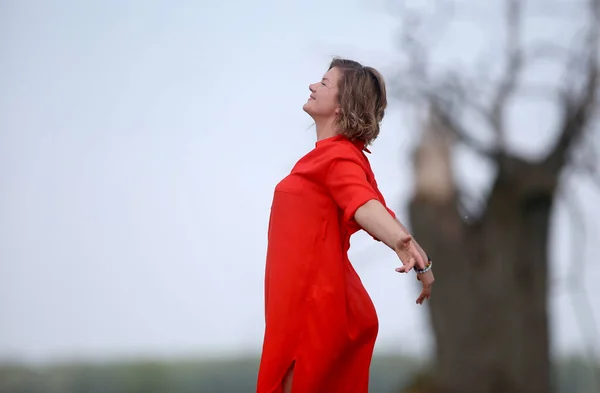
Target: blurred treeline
column 389, row 374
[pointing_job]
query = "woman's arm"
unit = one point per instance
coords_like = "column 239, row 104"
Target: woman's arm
column 348, row 185
column 374, row 218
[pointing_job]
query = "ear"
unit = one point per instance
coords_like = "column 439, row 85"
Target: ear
column 337, row 110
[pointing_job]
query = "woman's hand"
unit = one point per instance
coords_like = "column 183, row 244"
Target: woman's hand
column 427, row 280
column 412, row 255
column 409, row 254
column 375, row 219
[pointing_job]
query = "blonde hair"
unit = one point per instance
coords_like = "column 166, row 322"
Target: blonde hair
column 362, row 98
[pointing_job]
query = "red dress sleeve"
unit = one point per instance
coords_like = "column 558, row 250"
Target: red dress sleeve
column 349, row 185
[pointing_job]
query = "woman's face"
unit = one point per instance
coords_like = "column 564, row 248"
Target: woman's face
column 323, row 101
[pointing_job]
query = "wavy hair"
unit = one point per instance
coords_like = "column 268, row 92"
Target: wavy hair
column 362, row 98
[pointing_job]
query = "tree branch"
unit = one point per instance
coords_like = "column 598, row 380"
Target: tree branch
column 579, row 106
column 588, row 163
column 512, row 72
column 447, row 121
column 550, row 93
column 452, row 96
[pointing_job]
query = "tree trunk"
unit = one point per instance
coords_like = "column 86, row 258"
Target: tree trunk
column 488, row 309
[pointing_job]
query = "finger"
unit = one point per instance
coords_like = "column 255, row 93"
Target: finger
column 423, row 262
column 422, row 297
column 409, row 265
column 405, row 266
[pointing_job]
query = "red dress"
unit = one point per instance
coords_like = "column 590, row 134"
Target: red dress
column 318, row 315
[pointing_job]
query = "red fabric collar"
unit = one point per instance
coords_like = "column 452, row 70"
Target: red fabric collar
column 359, row 144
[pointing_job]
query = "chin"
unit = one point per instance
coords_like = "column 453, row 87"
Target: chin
column 306, row 108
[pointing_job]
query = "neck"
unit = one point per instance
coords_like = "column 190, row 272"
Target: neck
column 325, row 128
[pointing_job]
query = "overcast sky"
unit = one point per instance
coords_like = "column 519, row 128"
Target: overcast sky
column 140, row 142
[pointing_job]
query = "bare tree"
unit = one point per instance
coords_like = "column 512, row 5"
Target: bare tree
column 489, row 313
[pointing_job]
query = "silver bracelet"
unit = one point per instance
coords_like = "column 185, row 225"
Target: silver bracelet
column 426, row 269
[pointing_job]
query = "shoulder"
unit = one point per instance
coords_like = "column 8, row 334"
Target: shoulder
column 343, row 149
column 335, row 154
column 345, row 157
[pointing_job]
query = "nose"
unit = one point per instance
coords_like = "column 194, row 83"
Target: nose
column 312, row 88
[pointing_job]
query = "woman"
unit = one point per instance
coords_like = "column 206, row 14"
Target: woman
column 321, row 325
